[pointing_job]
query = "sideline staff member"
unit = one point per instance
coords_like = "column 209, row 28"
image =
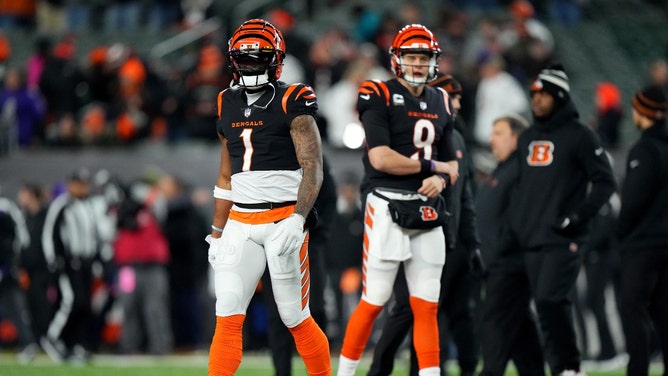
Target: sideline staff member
column 643, row 233
column 565, row 177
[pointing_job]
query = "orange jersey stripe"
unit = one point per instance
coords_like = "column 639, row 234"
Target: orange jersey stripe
column 376, row 87
column 304, row 90
column 220, row 103
column 386, row 92
column 288, row 92
column 258, row 218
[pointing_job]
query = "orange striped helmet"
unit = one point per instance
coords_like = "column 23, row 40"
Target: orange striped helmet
column 255, row 53
column 414, row 38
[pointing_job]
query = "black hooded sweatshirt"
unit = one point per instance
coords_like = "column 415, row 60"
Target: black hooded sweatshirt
column 564, row 171
column 643, row 219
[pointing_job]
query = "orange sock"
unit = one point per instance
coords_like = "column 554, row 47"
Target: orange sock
column 425, row 332
column 359, row 329
column 226, row 346
column 313, row 347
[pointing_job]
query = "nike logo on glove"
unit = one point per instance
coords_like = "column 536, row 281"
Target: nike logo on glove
column 366, row 97
column 309, row 103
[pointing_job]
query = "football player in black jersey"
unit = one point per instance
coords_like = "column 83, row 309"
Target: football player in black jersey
column 408, row 128
column 270, row 174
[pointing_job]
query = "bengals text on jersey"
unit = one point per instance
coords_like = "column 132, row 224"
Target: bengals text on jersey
column 264, row 164
column 416, row 127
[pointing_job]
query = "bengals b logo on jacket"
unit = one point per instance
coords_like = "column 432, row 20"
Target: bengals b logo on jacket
column 540, row 153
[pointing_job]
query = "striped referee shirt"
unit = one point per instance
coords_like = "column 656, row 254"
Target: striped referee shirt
column 69, row 230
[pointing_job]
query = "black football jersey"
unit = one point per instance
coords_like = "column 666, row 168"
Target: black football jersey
column 417, row 127
column 258, row 136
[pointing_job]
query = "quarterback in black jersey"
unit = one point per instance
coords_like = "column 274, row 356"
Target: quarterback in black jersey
column 270, row 175
column 410, row 155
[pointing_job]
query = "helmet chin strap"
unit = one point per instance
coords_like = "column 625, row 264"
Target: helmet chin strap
column 415, row 82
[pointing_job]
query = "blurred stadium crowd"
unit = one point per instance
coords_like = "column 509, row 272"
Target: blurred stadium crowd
column 119, row 91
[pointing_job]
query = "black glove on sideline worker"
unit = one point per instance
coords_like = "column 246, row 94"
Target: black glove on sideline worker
column 569, row 226
column 477, row 263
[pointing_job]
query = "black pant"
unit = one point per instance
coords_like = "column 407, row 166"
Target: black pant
column 599, row 268
column 644, row 302
column 454, row 307
column 79, row 316
column 15, row 308
column 552, row 274
column 281, row 342
column 508, row 329
column 459, row 299
column 38, row 303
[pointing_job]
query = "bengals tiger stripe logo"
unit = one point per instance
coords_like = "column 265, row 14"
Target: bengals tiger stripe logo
column 306, row 92
column 541, row 153
column 376, row 88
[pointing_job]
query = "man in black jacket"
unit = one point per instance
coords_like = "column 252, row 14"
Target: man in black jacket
column 565, row 177
column 14, row 238
column 32, row 201
column 641, row 228
column 508, row 328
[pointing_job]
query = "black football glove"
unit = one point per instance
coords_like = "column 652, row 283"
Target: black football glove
column 569, row 226
column 477, row 263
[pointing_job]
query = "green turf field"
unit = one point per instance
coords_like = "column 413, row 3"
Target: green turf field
column 257, row 364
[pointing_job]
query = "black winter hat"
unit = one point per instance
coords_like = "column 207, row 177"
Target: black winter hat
column 448, row 83
column 651, row 102
column 554, row 81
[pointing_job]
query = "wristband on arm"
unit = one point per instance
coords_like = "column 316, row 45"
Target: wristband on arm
column 427, row 166
column 223, row 194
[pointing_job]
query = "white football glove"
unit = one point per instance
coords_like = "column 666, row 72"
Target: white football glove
column 289, row 235
column 214, row 244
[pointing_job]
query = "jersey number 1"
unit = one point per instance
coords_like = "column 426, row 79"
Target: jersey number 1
column 248, row 146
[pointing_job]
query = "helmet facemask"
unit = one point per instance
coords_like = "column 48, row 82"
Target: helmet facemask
column 405, row 70
column 253, row 68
